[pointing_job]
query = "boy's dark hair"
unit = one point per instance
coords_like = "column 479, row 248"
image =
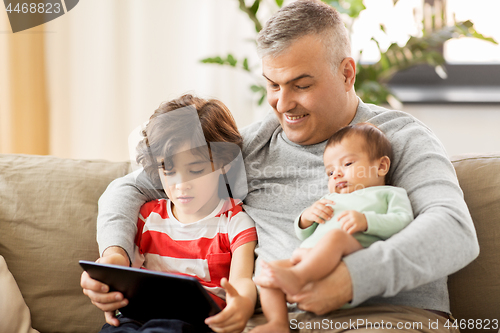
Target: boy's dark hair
column 163, row 135
column 376, row 143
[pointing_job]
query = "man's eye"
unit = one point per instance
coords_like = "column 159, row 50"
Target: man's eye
column 197, row 172
column 302, row 87
column 168, row 173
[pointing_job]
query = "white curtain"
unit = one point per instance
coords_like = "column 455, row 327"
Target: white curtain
column 110, row 64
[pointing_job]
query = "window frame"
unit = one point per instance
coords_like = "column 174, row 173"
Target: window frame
column 465, row 83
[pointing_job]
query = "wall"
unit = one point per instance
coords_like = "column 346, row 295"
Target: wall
column 467, row 128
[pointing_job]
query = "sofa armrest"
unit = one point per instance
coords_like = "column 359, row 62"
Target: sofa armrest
column 475, row 290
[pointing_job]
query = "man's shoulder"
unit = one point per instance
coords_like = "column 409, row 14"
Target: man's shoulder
column 388, row 118
column 259, row 133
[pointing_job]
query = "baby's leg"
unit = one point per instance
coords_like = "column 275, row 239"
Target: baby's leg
column 266, row 277
column 298, row 254
column 276, row 312
column 316, row 263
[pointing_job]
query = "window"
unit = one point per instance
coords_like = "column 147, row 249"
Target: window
column 472, row 65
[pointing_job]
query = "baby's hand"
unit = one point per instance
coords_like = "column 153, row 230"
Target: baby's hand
column 318, row 212
column 235, row 315
column 353, row 221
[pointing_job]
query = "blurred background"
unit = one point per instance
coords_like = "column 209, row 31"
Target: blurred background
column 79, row 86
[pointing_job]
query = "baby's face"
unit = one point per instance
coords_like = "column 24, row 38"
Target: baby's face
column 349, row 167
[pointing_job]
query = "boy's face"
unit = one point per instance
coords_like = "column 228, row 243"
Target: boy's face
column 191, row 184
column 349, row 167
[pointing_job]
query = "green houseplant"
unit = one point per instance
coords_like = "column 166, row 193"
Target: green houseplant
column 372, row 79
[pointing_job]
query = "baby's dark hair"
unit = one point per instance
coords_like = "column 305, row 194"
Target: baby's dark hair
column 164, row 135
column 376, row 143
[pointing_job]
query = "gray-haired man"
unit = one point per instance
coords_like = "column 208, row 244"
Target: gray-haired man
column 310, row 83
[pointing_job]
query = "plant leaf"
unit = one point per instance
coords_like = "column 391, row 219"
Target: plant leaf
column 349, row 7
column 255, row 7
column 279, row 3
column 245, row 65
column 231, row 60
column 262, row 98
column 355, row 7
column 256, row 88
column 252, row 13
column 214, row 60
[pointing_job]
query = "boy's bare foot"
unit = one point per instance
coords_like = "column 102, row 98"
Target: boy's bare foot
column 272, row 327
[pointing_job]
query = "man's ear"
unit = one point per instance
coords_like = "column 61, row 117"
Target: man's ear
column 348, row 67
column 384, row 165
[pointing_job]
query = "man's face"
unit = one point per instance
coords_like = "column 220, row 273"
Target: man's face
column 309, row 99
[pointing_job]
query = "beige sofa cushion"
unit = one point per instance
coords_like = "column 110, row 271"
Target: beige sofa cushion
column 47, row 223
column 475, row 290
column 14, row 314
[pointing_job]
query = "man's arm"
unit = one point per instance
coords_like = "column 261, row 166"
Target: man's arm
column 119, row 208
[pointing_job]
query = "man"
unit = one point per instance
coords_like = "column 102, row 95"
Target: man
column 310, row 83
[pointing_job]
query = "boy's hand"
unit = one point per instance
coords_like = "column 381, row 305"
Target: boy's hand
column 235, row 315
column 353, row 221
column 318, row 212
column 99, row 292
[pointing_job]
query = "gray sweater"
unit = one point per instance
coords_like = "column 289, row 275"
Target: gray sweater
column 410, row 268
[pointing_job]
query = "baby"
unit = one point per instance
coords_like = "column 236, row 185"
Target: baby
column 359, row 210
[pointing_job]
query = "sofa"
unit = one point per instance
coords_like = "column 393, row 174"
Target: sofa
column 48, row 209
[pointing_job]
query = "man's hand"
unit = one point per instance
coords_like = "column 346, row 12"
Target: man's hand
column 325, row 295
column 235, row 315
column 318, row 212
column 99, row 292
column 353, row 221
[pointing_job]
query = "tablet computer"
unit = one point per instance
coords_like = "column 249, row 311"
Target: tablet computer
column 155, row 295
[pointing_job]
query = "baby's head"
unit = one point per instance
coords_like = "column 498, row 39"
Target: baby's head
column 356, row 157
column 173, row 140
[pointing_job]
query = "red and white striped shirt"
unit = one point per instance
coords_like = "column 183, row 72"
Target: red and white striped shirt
column 202, row 249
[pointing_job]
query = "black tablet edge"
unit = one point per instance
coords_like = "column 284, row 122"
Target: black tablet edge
column 214, row 306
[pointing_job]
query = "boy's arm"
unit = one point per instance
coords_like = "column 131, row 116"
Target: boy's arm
column 241, row 271
column 241, row 293
column 399, row 215
column 119, row 208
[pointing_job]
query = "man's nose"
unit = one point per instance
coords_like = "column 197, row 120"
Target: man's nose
column 285, row 101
